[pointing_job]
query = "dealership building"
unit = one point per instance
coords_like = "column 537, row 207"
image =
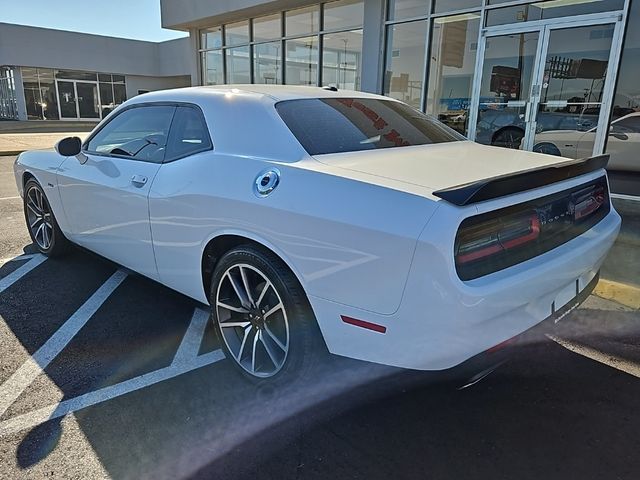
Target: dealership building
column 50, row 74
column 556, row 76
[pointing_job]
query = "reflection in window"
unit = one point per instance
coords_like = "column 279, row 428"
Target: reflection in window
column 341, row 59
column 544, row 10
column 40, row 93
column 211, row 37
column 302, row 61
column 267, row 28
column 405, row 59
column 238, row 65
column 451, row 69
column 302, row 21
column 267, row 68
column 400, row 9
column 212, row 71
column 343, row 14
column 441, row 6
column 236, row 33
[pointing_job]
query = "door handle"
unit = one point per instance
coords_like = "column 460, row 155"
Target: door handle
column 138, row 180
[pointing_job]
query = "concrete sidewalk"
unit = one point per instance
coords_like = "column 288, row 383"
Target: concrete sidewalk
column 16, row 143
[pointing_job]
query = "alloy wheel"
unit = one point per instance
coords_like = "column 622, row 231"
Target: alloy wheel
column 39, row 218
column 253, row 320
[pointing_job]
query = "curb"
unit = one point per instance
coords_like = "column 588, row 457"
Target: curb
column 622, row 293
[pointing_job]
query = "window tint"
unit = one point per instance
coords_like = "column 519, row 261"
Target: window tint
column 188, row 135
column 139, row 132
column 331, row 125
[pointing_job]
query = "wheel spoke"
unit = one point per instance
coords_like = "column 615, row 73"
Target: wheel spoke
column 242, row 345
column 235, row 324
column 273, row 310
column 239, row 292
column 38, row 231
column 263, row 293
column 268, row 350
column 35, row 222
column 274, row 338
column 45, row 236
column 33, row 207
column 232, row 308
column 253, row 354
column 245, row 282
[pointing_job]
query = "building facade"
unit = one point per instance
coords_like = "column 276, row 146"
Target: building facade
column 554, row 76
column 50, row 74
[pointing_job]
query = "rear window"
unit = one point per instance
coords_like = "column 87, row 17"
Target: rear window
column 333, row 125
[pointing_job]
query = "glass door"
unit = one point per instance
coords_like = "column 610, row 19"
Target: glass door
column 505, row 96
column 576, row 62
column 67, row 100
column 546, row 87
column 88, row 102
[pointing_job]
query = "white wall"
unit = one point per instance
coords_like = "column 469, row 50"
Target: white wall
column 137, row 82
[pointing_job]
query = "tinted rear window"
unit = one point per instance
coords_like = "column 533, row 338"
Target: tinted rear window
column 332, row 125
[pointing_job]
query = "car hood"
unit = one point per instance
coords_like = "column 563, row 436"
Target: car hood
column 440, row 165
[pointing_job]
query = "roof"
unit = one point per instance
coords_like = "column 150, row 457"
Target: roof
column 275, row 92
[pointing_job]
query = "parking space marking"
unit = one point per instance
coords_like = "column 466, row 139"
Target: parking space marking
column 19, row 258
column 37, row 417
column 13, row 387
column 10, row 198
column 613, row 361
column 13, row 277
column 192, row 339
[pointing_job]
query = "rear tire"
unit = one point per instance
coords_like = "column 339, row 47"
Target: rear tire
column 41, row 222
column 262, row 316
column 510, row 137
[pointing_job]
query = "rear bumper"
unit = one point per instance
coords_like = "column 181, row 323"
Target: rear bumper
column 443, row 322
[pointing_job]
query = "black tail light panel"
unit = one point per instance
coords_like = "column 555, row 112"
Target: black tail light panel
column 496, row 240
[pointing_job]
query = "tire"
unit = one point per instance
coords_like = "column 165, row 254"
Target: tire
column 274, row 336
column 41, row 222
column 510, row 137
column 547, row 148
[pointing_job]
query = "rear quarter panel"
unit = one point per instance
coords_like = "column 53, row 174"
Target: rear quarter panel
column 347, row 241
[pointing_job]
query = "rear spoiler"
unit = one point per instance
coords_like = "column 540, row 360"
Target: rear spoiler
column 510, row 183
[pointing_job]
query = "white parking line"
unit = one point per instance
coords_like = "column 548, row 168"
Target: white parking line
column 192, row 339
column 19, row 258
column 613, row 361
column 13, row 277
column 13, row 387
column 37, row 417
column 9, row 198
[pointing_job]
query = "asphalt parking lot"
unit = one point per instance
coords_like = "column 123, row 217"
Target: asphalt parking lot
column 104, row 373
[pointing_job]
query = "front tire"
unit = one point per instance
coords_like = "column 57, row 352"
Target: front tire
column 262, row 316
column 41, row 222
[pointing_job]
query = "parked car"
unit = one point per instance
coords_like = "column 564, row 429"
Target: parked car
column 622, row 144
column 505, row 128
column 308, row 217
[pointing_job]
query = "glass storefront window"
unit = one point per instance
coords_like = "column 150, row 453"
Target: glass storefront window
column 48, row 94
column 267, row 67
column 553, row 9
column 302, row 21
column 237, row 60
column 211, row 37
column 302, row 61
column 267, row 28
column 236, row 33
column 74, row 75
column 212, row 70
column 342, row 59
column 451, row 69
column 442, row 6
column 343, row 14
column 106, row 98
column 405, row 61
column 400, row 9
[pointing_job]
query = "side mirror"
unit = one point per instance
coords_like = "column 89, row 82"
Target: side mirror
column 69, row 147
column 619, row 135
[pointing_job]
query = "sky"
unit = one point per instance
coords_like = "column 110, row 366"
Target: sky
column 139, row 19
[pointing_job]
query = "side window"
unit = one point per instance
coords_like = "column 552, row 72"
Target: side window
column 189, row 134
column 629, row 124
column 140, row 133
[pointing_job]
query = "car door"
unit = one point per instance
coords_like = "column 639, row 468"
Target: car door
column 105, row 193
column 623, row 143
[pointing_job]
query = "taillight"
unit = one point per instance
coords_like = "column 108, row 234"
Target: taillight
column 496, row 236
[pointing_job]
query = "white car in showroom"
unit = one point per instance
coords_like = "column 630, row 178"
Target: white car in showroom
column 303, row 213
column 622, row 143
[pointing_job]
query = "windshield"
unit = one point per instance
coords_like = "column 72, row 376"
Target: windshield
column 333, row 125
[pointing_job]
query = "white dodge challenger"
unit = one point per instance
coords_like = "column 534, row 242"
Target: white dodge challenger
column 300, row 213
